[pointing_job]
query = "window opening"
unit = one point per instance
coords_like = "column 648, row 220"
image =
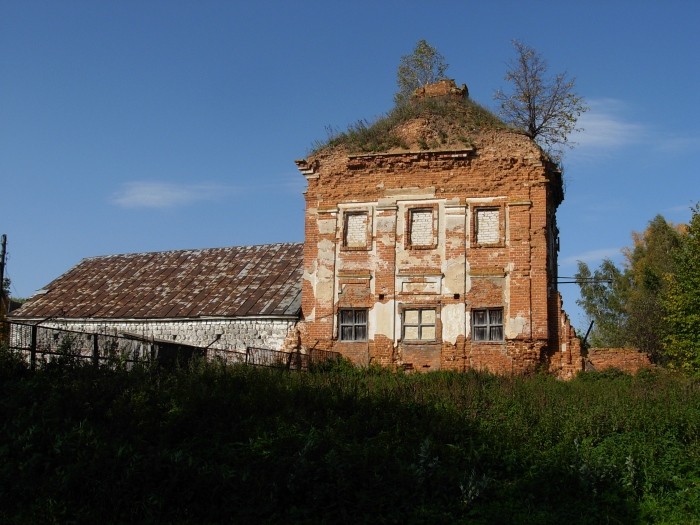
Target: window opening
column 419, row 324
column 487, row 324
column 353, row 324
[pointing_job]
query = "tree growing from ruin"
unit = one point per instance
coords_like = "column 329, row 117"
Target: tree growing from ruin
column 424, row 66
column 545, row 108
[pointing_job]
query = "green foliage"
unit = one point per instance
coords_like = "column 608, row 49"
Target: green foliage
column 217, row 444
column 424, row 66
column 545, row 109
column 627, row 304
column 603, row 296
column 682, row 302
column 649, row 261
column 450, row 118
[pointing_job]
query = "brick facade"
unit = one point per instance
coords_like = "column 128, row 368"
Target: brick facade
column 457, row 233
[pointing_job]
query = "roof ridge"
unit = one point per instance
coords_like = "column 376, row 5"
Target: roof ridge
column 183, row 250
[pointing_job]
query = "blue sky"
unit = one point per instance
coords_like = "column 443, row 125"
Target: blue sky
column 132, row 126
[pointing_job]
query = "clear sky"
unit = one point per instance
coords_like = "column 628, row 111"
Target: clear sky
column 133, row 126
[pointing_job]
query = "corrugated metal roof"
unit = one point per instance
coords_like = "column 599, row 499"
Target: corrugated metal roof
column 239, row 281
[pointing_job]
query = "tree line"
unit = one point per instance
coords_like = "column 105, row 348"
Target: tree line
column 651, row 301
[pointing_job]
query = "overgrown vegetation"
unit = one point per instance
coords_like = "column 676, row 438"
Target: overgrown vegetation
column 449, row 122
column 423, row 66
column 217, row 444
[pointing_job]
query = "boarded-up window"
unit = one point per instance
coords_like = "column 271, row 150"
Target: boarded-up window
column 355, row 230
column 488, row 226
column 421, row 227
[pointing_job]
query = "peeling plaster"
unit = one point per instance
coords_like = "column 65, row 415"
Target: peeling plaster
column 454, row 277
column 326, row 226
column 515, row 327
column 382, row 320
column 453, row 318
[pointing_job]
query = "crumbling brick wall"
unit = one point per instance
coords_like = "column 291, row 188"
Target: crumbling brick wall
column 483, row 239
column 629, row 360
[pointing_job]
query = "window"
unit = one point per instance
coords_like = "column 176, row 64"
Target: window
column 487, row 324
column 419, row 324
column 421, row 227
column 353, row 324
column 355, row 234
column 487, row 227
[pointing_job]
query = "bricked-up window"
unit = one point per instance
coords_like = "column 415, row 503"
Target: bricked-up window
column 487, row 225
column 419, row 324
column 353, row 324
column 355, row 231
column 421, row 227
column 487, row 324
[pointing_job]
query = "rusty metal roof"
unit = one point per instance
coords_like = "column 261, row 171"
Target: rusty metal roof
column 240, row 281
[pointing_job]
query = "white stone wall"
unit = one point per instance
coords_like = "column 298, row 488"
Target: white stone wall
column 488, row 227
column 356, row 230
column 422, row 227
column 216, row 334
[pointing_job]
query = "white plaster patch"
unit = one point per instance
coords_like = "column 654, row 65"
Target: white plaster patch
column 515, row 327
column 454, row 277
column 452, row 317
column 326, row 226
column 382, row 320
column 385, row 224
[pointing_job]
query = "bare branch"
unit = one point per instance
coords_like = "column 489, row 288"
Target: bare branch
column 546, row 110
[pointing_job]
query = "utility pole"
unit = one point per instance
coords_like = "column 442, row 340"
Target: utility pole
column 4, row 308
column 3, row 249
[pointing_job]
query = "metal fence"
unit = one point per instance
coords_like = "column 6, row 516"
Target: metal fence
column 278, row 359
column 42, row 344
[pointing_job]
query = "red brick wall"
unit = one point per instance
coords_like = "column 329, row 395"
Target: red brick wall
column 628, row 360
column 503, row 171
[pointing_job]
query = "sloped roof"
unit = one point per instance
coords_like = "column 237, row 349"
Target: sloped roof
column 240, row 281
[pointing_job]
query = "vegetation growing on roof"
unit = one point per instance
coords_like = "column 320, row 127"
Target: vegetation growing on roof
column 422, row 67
column 422, row 123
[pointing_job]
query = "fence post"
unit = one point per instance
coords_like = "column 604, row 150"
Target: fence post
column 247, row 353
column 95, row 351
column 32, row 348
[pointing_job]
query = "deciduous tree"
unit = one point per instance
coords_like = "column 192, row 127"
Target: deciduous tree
column 424, row 66
column 545, row 109
column 603, row 296
column 682, row 302
column 627, row 305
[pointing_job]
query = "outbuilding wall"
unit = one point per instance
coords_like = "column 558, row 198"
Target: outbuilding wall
column 214, row 334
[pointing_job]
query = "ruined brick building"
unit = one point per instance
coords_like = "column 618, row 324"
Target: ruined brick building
column 438, row 249
column 431, row 243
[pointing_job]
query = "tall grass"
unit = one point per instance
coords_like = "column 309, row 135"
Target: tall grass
column 215, row 444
